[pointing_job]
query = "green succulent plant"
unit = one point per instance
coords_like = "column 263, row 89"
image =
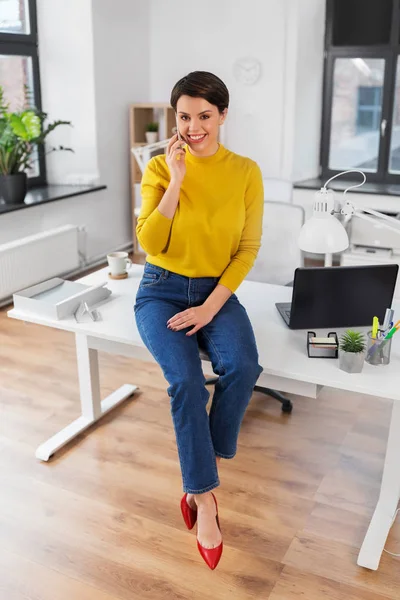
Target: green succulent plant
column 352, row 341
column 152, row 127
column 20, row 132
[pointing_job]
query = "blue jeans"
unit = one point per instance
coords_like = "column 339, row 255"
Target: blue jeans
column 230, row 343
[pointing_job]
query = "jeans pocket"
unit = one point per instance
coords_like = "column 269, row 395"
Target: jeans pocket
column 150, row 279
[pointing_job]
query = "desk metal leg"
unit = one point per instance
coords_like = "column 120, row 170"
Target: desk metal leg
column 93, row 408
column 382, row 519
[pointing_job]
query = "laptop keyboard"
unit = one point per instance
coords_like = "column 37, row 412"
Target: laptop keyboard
column 287, row 313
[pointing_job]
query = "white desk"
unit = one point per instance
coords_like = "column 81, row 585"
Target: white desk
column 282, row 354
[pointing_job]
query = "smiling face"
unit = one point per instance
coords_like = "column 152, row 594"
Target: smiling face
column 199, row 123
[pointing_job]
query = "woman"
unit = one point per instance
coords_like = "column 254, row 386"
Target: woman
column 200, row 225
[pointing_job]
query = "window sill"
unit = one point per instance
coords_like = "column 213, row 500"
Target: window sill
column 381, row 189
column 49, row 193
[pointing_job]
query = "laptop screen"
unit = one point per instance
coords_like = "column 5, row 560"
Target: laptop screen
column 342, row 296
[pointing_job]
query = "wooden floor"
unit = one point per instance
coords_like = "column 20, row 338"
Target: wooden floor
column 101, row 521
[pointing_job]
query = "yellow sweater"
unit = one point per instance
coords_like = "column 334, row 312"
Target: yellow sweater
column 217, row 226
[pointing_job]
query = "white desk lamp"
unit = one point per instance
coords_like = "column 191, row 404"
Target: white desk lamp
column 324, row 233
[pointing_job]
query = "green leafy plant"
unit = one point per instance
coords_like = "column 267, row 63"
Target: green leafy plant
column 152, row 127
column 352, row 341
column 20, row 132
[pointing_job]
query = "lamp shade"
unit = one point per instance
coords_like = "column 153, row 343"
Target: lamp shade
column 323, row 233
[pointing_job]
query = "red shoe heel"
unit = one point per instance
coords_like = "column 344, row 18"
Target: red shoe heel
column 212, row 556
column 189, row 515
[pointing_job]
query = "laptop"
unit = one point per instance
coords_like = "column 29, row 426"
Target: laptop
column 325, row 297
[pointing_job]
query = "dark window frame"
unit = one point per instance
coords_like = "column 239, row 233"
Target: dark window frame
column 390, row 53
column 16, row 44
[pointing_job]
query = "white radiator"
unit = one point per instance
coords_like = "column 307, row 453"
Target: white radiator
column 33, row 259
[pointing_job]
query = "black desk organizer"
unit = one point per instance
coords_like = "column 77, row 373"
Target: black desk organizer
column 320, row 350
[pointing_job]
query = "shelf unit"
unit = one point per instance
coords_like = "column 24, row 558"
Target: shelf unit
column 139, row 116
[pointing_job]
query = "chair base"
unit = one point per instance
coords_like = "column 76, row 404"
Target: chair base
column 287, row 405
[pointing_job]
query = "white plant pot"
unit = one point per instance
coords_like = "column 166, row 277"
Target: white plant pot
column 351, row 362
column 151, row 137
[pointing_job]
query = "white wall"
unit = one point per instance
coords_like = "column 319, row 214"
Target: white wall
column 308, row 92
column 67, row 81
column 121, row 61
column 94, row 60
column 210, row 37
column 267, row 120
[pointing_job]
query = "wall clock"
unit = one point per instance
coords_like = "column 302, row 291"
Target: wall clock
column 247, row 70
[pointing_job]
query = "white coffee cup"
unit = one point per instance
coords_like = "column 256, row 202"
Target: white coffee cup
column 118, row 262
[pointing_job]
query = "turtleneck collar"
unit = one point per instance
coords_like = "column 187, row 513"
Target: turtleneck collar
column 220, row 153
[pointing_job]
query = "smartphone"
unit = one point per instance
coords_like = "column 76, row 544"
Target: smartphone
column 177, row 130
column 180, row 138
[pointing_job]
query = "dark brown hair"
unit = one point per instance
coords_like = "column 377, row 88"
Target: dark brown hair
column 201, row 84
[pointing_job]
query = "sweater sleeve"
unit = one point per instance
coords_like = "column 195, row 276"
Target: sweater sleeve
column 153, row 228
column 250, row 240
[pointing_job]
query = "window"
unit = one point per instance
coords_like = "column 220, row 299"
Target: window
column 356, row 112
column 361, row 106
column 369, row 108
column 394, row 154
column 19, row 65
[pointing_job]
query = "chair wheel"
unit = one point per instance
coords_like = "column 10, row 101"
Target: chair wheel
column 287, row 407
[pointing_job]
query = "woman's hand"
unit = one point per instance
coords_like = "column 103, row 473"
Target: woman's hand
column 197, row 316
column 175, row 158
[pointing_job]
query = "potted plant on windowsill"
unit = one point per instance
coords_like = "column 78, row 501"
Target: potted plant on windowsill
column 20, row 133
column 151, row 133
column 352, row 351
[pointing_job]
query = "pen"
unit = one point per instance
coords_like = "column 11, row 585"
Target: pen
column 389, row 327
column 388, row 318
column 393, row 331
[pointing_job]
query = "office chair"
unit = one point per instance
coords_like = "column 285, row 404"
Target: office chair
column 277, row 259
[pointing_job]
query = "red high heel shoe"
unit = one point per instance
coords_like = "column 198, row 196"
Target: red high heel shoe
column 189, row 514
column 212, row 556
